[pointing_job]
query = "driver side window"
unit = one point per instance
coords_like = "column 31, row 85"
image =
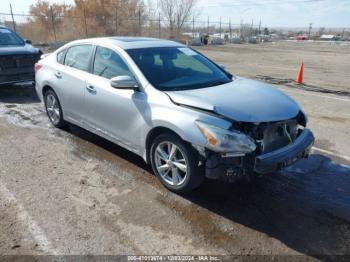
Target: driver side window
column 109, row 64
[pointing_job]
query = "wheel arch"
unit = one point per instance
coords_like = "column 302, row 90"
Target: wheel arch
column 47, row 88
column 152, row 134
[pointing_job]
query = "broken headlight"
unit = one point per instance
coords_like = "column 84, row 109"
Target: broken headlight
column 226, row 141
column 302, row 118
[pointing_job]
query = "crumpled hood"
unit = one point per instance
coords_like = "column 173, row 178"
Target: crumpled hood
column 18, row 50
column 242, row 100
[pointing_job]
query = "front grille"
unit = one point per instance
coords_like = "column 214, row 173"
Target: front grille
column 270, row 136
column 278, row 135
column 17, row 78
column 25, row 61
column 8, row 63
column 17, row 61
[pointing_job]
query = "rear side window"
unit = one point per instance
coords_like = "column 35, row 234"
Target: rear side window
column 60, row 57
column 109, row 64
column 79, row 57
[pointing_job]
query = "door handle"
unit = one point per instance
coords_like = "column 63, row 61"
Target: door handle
column 91, row 89
column 58, row 75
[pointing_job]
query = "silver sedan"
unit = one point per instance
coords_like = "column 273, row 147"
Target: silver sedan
column 185, row 115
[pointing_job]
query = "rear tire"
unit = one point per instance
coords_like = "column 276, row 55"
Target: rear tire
column 54, row 109
column 175, row 163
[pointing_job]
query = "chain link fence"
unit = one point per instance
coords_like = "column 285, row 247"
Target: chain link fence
column 51, row 29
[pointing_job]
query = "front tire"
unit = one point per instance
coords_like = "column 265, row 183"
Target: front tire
column 175, row 163
column 54, row 109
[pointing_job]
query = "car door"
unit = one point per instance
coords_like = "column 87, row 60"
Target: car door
column 71, row 78
column 115, row 113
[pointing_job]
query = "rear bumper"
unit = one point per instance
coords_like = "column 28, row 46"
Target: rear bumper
column 287, row 155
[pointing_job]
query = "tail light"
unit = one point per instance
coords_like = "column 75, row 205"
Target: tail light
column 37, row 67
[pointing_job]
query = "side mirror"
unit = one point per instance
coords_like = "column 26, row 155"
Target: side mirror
column 28, row 41
column 124, row 82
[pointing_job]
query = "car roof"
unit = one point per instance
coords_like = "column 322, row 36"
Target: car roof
column 132, row 42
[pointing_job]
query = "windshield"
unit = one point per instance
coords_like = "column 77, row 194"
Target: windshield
column 8, row 38
column 177, row 68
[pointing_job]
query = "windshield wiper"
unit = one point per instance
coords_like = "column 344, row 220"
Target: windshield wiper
column 174, row 89
column 218, row 83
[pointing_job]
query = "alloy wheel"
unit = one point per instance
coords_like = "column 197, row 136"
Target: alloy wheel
column 53, row 109
column 171, row 163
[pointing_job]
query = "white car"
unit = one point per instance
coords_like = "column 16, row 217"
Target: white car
column 181, row 112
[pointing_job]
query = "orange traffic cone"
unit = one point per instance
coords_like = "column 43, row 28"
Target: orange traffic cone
column 300, row 75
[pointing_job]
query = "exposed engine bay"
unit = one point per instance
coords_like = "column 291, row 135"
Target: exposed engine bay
column 269, row 137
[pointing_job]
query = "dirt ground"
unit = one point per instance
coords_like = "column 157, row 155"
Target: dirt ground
column 327, row 65
column 69, row 192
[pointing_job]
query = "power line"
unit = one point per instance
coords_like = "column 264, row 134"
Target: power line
column 126, row 19
column 273, row 2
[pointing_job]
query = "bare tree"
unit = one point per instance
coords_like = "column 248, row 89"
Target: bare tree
column 46, row 16
column 177, row 12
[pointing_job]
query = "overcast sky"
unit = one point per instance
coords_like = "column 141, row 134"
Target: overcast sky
column 275, row 13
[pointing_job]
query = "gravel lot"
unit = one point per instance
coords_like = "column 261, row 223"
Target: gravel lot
column 70, row 192
column 327, row 65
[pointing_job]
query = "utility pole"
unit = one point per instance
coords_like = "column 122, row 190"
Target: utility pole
column 241, row 22
column 240, row 29
column 193, row 28
column 85, row 24
column 208, row 26
column 230, row 28
column 159, row 26
column 13, row 20
column 220, row 28
column 343, row 34
column 251, row 28
column 260, row 27
column 310, row 27
column 140, row 32
column 116, row 20
column 53, row 24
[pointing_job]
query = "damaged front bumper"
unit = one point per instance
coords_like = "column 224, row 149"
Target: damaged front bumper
column 287, row 155
column 234, row 168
